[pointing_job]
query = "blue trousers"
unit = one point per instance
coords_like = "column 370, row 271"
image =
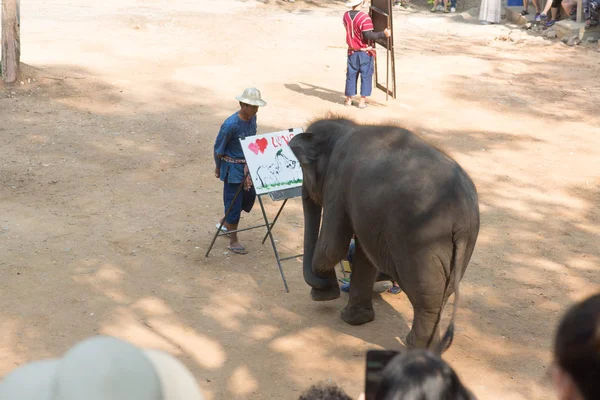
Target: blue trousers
column 244, row 201
column 359, row 63
column 351, row 251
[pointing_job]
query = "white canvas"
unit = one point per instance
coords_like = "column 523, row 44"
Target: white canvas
column 271, row 163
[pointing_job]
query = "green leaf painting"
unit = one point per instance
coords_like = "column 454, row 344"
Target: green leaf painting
column 294, row 182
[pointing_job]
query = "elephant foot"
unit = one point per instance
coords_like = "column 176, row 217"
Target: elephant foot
column 357, row 315
column 325, row 294
column 412, row 342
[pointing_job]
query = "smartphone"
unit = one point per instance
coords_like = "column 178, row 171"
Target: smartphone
column 376, row 362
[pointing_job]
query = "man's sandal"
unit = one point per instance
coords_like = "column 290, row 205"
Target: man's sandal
column 223, row 228
column 238, row 250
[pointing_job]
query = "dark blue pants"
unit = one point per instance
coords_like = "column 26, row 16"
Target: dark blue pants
column 244, row 201
column 351, row 251
column 360, row 62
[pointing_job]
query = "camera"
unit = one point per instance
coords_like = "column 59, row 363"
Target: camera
column 376, row 362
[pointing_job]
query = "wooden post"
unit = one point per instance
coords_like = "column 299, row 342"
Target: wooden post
column 11, row 42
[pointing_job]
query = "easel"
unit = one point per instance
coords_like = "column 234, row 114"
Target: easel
column 279, row 195
column 381, row 14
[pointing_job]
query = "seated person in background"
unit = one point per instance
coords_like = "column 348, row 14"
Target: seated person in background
column 525, row 11
column 569, row 7
column 435, row 5
column 345, row 287
column 452, row 6
column 419, row 374
column 576, row 371
column 591, row 12
column 553, row 6
column 324, row 392
column 402, row 3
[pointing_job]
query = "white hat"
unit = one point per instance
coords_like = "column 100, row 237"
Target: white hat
column 103, row 368
column 252, row 96
column 352, row 3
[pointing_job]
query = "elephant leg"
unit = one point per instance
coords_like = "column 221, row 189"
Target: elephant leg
column 425, row 290
column 359, row 309
column 334, row 240
column 422, row 328
column 331, row 248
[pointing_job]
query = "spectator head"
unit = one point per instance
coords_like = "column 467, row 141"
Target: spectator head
column 576, row 372
column 324, row 392
column 103, row 367
column 420, row 374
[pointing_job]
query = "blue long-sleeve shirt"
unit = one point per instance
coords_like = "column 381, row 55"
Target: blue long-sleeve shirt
column 228, row 144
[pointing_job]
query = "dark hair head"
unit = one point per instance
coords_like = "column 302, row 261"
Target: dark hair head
column 420, row 375
column 324, row 392
column 577, row 346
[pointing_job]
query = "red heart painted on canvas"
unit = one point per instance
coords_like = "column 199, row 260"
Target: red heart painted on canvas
column 253, row 148
column 262, row 144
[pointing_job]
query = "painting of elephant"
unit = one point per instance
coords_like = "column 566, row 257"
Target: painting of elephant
column 270, row 174
column 413, row 209
column 292, row 165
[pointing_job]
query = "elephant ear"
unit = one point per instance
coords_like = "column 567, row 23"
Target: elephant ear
column 303, row 147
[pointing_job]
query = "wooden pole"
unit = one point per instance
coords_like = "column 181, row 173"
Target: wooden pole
column 11, row 41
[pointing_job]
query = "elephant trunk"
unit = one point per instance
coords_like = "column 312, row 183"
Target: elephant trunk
column 312, row 225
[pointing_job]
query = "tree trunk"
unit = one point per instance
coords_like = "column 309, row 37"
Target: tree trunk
column 11, row 42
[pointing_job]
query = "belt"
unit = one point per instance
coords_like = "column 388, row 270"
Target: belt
column 369, row 50
column 247, row 179
column 233, row 160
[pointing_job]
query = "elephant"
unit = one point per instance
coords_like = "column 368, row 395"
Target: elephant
column 412, row 209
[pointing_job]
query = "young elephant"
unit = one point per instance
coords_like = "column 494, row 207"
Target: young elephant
column 413, row 209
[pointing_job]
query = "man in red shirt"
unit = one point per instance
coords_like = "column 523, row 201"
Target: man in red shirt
column 359, row 36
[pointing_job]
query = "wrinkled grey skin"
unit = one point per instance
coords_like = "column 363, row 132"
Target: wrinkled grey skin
column 413, row 209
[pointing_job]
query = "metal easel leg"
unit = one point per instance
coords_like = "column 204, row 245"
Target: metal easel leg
column 262, row 208
column 270, row 227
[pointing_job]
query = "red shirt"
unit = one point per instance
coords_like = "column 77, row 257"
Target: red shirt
column 354, row 29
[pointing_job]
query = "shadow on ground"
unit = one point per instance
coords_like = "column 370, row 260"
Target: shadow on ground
column 109, row 204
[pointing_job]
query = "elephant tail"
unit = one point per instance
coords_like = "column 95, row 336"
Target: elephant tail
column 459, row 260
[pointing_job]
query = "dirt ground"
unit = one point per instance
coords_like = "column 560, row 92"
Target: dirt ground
column 108, row 201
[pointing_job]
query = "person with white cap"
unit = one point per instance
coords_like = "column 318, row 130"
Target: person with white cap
column 231, row 165
column 359, row 35
column 103, row 368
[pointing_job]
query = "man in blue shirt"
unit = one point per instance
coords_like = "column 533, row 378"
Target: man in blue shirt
column 231, row 165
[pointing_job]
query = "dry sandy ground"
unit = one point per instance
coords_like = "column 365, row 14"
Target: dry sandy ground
column 108, row 201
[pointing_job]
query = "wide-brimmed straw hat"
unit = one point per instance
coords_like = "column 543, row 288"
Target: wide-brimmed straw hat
column 252, row 96
column 101, row 368
column 352, row 3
